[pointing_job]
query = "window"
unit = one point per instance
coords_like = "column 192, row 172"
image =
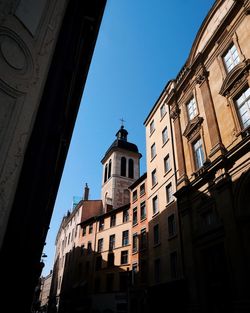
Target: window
column 111, row 242
column 243, row 107
column 125, row 239
column 171, row 225
column 173, row 265
column 156, row 234
column 123, row 166
column 112, row 220
column 142, row 189
column 191, row 109
column 82, row 249
column 111, row 259
column 169, row 193
column 100, row 245
column 101, row 224
column 153, row 177
column 134, row 195
column 143, row 271
column 98, row 262
column 163, row 110
column 134, row 216
column 89, row 249
column 90, row 228
column 166, row 164
column 125, row 216
column 157, row 270
column 131, row 168
column 143, row 210
column 164, row 135
column 124, row 257
column 84, row 231
column 109, row 171
column 153, row 151
column 106, row 173
column 135, row 243
column 152, row 127
column 198, row 153
column 231, row 58
column 155, row 205
column 143, row 241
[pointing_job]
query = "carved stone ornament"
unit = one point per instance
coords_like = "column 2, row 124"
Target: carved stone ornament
column 235, row 78
column 193, row 127
column 201, row 77
column 175, row 112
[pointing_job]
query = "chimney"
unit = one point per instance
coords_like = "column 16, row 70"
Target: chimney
column 86, row 192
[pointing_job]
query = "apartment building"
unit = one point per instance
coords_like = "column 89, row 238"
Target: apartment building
column 165, row 268
column 209, row 107
column 139, row 245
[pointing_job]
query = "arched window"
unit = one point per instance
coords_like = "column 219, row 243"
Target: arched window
column 131, row 168
column 105, row 173
column 109, row 172
column 123, row 166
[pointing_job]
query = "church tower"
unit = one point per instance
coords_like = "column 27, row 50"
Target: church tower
column 121, row 167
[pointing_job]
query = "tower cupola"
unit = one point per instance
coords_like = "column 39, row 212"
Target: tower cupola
column 122, row 134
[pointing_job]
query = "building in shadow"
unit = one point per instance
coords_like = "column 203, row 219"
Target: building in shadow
column 46, row 49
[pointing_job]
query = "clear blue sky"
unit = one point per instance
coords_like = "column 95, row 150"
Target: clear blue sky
column 141, row 45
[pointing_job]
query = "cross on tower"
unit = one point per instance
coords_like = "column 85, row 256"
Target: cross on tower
column 122, row 120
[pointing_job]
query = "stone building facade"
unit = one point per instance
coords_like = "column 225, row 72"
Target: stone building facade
column 209, row 106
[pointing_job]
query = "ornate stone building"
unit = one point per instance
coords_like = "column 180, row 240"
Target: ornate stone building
column 210, row 110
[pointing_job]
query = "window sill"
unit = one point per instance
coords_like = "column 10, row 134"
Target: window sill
column 153, row 158
column 166, row 173
column 172, row 236
column 143, row 219
column 151, row 133
column 154, row 185
column 164, row 144
column 156, row 213
column 156, row 245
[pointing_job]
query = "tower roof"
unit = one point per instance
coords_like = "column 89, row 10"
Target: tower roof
column 121, row 143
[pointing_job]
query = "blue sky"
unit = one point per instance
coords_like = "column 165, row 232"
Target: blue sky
column 141, row 45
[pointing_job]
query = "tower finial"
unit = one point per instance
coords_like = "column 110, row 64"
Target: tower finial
column 122, row 121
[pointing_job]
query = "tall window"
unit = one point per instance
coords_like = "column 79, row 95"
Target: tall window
column 123, row 166
column 134, row 216
column 134, row 195
column 166, row 164
column 243, row 107
column 109, row 171
column 169, row 193
column 101, row 224
column 163, row 110
column 153, row 151
column 90, row 228
column 89, row 247
column 156, row 234
column 100, row 245
column 124, row 257
column 135, row 243
column 152, row 127
column 192, row 109
column 143, row 210
column 111, row 242
column 131, row 168
column 125, row 216
column 111, row 259
column 98, row 263
column 171, row 225
column 155, row 205
column 231, row 58
column 164, row 135
column 106, row 173
column 142, row 189
column 198, row 153
column 153, row 177
column 143, row 239
column 112, row 220
column 125, row 239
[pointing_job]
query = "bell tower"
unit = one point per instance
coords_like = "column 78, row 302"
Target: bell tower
column 121, row 167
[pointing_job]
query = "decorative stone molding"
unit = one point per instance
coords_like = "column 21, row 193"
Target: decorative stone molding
column 193, row 127
column 175, row 112
column 235, row 78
